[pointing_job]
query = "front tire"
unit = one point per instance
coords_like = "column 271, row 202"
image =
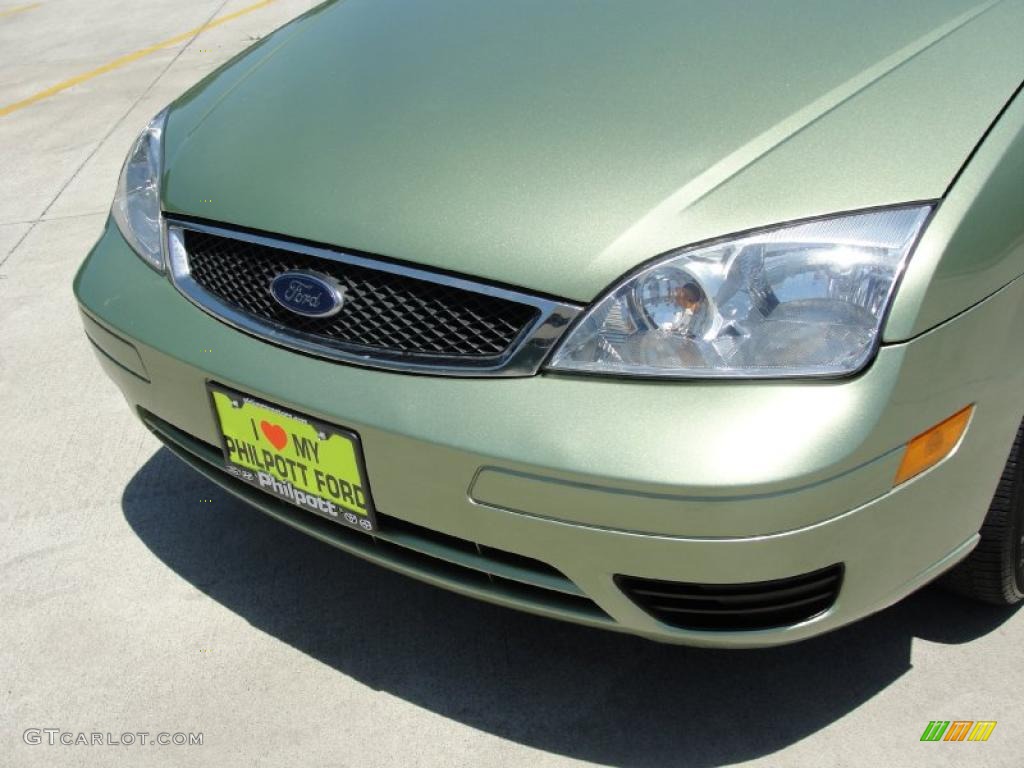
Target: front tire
column 994, row 571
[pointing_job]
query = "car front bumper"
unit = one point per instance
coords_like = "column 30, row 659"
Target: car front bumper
column 485, row 480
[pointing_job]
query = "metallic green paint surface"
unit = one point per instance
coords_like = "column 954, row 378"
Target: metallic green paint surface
column 558, row 145
column 975, row 243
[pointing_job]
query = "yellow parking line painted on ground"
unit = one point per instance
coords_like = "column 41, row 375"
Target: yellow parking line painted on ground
column 18, row 9
column 128, row 59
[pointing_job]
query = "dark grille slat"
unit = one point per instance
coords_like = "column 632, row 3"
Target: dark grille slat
column 720, row 611
column 519, row 561
column 385, row 313
column 820, row 586
column 736, row 607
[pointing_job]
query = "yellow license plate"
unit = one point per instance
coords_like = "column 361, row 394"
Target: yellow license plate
column 315, row 466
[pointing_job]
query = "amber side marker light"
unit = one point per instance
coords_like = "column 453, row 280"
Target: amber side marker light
column 930, row 447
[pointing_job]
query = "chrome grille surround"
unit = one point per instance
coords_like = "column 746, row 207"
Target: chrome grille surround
column 525, row 353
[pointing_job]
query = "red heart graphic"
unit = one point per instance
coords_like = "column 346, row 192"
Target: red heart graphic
column 275, row 434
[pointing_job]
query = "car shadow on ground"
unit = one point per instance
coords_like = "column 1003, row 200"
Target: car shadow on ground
column 584, row 693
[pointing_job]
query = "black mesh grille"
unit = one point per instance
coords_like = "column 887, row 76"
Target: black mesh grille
column 384, row 312
column 732, row 607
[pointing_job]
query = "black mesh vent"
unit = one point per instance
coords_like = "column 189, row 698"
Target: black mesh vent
column 732, row 607
column 383, row 312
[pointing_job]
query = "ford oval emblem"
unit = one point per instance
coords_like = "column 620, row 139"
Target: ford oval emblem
column 308, row 293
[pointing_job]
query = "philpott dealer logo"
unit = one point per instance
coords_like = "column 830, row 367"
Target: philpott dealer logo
column 958, row 730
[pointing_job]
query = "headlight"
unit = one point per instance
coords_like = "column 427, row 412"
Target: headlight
column 136, row 206
column 801, row 300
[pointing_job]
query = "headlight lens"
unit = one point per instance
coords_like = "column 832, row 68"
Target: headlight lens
column 801, row 300
column 136, row 207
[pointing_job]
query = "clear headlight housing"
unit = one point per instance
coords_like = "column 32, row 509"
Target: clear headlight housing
column 800, row 300
column 136, row 207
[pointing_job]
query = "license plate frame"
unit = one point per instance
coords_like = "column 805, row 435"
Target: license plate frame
column 290, row 475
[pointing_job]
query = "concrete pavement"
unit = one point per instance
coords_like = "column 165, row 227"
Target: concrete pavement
column 137, row 597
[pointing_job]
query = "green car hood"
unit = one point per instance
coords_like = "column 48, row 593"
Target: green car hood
column 556, row 145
